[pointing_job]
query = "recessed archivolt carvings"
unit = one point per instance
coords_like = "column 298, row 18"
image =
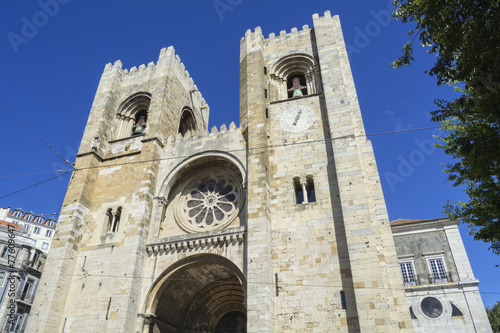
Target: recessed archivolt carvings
column 219, row 288
column 294, row 65
column 169, row 192
column 205, row 158
column 129, row 113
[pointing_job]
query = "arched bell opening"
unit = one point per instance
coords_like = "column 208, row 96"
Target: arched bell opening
column 294, row 75
column 187, row 122
column 128, row 117
column 200, row 294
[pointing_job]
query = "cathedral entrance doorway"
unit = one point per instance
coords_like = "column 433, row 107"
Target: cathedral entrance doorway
column 202, row 294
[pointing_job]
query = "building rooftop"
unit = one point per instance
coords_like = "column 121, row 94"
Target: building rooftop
column 29, row 216
column 399, row 222
column 11, row 224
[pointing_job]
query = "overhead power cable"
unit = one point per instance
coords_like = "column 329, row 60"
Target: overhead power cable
column 186, row 156
column 36, row 173
column 85, row 274
column 44, row 181
column 38, row 136
column 405, row 130
column 260, row 147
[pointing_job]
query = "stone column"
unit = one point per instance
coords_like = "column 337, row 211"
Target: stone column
column 304, row 191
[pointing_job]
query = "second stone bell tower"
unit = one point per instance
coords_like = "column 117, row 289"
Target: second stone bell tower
column 318, row 229
column 279, row 225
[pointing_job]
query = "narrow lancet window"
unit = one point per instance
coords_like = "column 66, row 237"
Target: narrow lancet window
column 187, row 122
column 109, row 219
column 311, row 194
column 304, row 190
column 299, row 191
column 116, row 222
column 113, row 219
column 343, row 300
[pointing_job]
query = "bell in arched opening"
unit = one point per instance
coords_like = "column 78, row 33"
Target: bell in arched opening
column 140, row 125
column 297, row 88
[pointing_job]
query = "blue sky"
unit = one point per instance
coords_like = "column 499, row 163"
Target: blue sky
column 52, row 55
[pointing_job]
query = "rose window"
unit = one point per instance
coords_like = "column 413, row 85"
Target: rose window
column 209, row 201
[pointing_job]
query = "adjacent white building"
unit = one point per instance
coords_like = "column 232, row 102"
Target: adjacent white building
column 440, row 286
column 24, row 243
column 39, row 229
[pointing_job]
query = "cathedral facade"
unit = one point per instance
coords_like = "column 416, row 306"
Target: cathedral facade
column 278, row 225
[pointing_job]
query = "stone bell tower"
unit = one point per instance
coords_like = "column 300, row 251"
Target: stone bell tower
column 97, row 259
column 279, row 225
column 318, row 229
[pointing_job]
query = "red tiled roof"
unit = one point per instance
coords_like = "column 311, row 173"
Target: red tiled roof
column 415, row 221
column 11, row 224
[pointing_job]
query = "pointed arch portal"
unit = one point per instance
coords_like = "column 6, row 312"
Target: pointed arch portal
column 203, row 294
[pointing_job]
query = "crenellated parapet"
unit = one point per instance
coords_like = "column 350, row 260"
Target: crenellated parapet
column 167, row 61
column 256, row 35
column 214, row 134
column 163, row 93
column 294, row 33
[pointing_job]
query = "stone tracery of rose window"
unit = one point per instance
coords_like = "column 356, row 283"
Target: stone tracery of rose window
column 209, row 201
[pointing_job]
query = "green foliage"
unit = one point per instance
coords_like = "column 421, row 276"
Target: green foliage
column 494, row 317
column 465, row 38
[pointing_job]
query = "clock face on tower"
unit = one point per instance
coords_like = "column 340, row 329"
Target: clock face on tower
column 297, row 118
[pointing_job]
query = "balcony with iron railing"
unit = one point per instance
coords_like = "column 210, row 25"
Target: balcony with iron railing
column 28, row 264
column 26, row 298
column 440, row 278
column 419, row 280
column 411, row 281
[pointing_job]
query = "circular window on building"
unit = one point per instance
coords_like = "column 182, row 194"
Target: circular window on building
column 431, row 307
column 209, row 201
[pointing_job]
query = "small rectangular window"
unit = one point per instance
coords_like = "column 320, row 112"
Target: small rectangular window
column 36, row 261
column 267, row 113
column 37, row 230
column 15, row 324
column 48, row 233
column 28, row 291
column 45, row 246
column 409, row 277
column 26, row 227
column 438, row 271
column 343, row 300
column 2, row 277
column 265, row 70
column 265, row 93
column 5, row 252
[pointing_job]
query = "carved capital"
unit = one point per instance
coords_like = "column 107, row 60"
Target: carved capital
column 162, row 201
